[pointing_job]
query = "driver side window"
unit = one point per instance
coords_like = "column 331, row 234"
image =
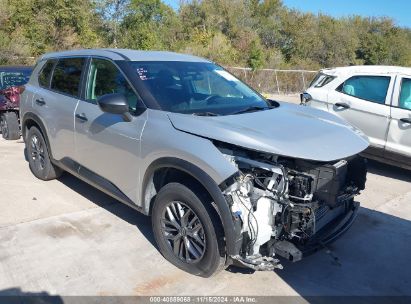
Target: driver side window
column 105, row 78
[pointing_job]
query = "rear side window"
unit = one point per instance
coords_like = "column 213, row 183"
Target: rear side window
column 405, row 95
column 44, row 76
column 67, row 76
column 370, row 88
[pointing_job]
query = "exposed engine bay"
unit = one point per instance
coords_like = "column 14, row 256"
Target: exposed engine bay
column 283, row 207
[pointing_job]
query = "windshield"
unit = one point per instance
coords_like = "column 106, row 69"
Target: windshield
column 10, row 78
column 196, row 88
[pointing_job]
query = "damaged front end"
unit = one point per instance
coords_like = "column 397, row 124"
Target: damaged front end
column 285, row 207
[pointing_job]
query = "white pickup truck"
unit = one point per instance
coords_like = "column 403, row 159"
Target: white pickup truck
column 375, row 99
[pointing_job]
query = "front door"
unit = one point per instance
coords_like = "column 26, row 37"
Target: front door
column 363, row 102
column 398, row 147
column 105, row 144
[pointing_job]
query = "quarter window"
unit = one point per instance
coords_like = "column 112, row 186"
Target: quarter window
column 371, row 88
column 405, row 95
column 105, row 78
column 67, row 76
column 44, row 76
column 321, row 80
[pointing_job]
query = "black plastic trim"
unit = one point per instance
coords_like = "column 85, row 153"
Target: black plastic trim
column 31, row 116
column 95, row 180
column 84, row 77
column 212, row 188
column 329, row 233
column 397, row 157
column 388, row 157
column 228, row 181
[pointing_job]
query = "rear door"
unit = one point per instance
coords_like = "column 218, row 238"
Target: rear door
column 363, row 100
column 31, row 87
column 398, row 147
column 106, row 145
column 56, row 100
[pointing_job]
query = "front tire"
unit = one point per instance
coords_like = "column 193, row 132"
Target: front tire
column 185, row 230
column 9, row 124
column 39, row 157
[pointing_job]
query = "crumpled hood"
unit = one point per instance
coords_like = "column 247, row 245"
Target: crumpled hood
column 289, row 130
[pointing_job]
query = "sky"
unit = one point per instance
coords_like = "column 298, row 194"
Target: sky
column 399, row 10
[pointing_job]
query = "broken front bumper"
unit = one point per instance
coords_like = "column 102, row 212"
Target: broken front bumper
column 295, row 252
column 330, row 232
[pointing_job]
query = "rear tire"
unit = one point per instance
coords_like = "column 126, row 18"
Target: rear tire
column 39, row 157
column 10, row 129
column 185, row 231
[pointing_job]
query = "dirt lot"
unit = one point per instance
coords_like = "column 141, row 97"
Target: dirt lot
column 65, row 238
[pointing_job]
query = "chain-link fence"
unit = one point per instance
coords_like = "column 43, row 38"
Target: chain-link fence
column 265, row 81
column 272, row 81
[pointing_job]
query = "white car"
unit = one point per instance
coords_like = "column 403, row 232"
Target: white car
column 375, row 99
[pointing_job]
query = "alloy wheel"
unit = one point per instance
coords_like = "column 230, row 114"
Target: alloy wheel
column 37, row 152
column 183, row 231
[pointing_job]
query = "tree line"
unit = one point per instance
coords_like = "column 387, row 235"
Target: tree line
column 249, row 33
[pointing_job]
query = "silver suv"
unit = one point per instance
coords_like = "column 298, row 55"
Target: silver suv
column 226, row 175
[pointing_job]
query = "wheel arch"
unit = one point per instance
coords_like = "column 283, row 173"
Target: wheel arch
column 32, row 120
column 170, row 169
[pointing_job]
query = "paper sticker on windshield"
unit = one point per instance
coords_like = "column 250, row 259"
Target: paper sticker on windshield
column 226, row 75
column 142, row 73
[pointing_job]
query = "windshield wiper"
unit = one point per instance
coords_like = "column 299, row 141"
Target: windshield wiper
column 206, row 114
column 252, row 109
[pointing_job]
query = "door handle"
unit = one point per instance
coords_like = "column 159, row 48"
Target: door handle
column 81, row 117
column 40, row 102
column 342, row 105
column 406, row 120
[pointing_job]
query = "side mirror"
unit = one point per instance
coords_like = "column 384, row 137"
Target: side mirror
column 304, row 98
column 115, row 104
column 273, row 103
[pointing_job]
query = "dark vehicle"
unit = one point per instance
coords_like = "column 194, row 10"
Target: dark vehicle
column 12, row 78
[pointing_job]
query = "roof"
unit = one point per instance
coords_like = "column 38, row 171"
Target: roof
column 126, row 54
column 368, row 69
